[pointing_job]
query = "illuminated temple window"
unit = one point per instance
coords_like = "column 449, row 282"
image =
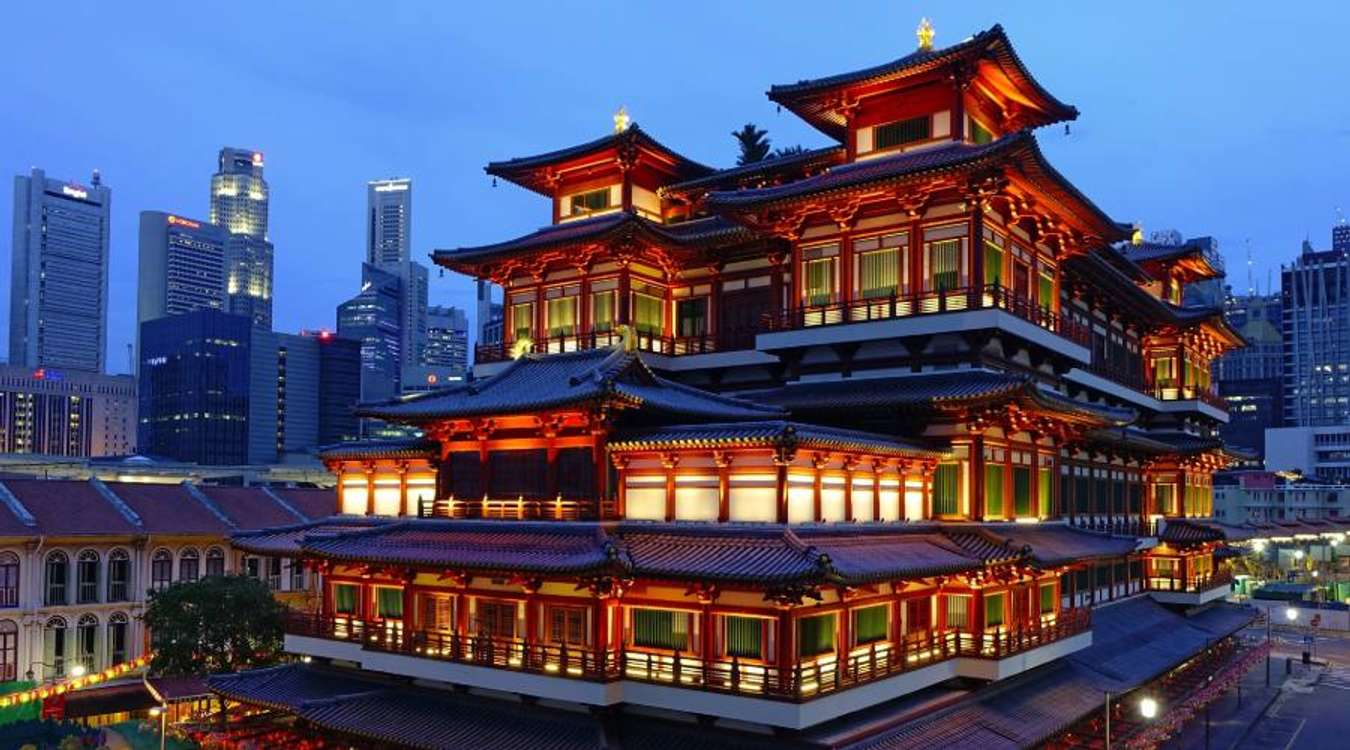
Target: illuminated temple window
column 753, row 497
column 388, row 499
column 354, row 494
column 801, row 498
column 696, row 498
column 832, row 499
column 645, row 498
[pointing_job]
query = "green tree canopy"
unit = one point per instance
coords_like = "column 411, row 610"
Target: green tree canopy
column 215, row 624
column 754, row 144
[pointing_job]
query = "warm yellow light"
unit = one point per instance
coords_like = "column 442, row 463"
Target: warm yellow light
column 621, row 120
column 521, row 347
column 1148, row 708
column 925, row 34
column 77, row 671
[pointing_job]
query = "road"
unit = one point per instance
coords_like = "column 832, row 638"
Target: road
column 1304, row 709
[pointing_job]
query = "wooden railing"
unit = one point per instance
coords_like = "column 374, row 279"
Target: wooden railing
column 1117, row 525
column 929, row 303
column 537, row 510
column 1173, row 392
column 801, row 681
column 671, row 346
column 1197, row 583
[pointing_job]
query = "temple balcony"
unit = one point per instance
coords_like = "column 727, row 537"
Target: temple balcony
column 809, row 691
column 663, row 352
column 1192, row 590
column 925, row 314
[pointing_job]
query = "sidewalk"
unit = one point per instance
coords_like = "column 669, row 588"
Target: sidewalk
column 1228, row 721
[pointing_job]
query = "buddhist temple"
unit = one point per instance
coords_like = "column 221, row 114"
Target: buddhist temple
column 808, row 450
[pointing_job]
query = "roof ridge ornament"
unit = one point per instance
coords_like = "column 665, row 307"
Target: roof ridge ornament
column 627, row 338
column 621, row 119
column 925, row 33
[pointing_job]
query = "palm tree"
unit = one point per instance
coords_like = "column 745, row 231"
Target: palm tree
column 789, row 151
column 753, row 142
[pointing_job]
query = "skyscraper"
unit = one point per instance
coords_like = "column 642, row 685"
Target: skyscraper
column 239, row 201
column 389, row 221
column 66, row 412
column 182, row 266
column 58, row 303
column 447, row 339
column 1315, row 300
column 1250, row 378
column 216, row 389
column 389, row 248
column 374, row 317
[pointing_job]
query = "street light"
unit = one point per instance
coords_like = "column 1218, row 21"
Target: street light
column 163, row 717
column 1290, row 614
column 1148, row 708
column 76, row 672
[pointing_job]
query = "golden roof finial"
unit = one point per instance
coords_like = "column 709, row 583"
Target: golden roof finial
column 925, row 33
column 1137, row 236
column 621, row 120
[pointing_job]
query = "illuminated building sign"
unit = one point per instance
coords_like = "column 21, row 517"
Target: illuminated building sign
column 55, row 376
column 257, row 159
column 391, row 187
column 75, row 191
column 180, row 221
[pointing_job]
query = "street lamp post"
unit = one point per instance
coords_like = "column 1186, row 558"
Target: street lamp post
column 163, row 714
column 1268, row 646
column 1108, row 720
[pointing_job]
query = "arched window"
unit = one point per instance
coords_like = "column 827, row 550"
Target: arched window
column 86, row 577
column 86, row 642
column 117, row 638
column 9, row 650
column 189, row 565
column 215, row 562
column 9, row 580
column 161, row 570
column 119, row 575
column 54, row 646
column 58, row 573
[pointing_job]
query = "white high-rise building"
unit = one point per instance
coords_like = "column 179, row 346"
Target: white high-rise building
column 58, row 305
column 182, row 266
column 389, row 248
column 239, row 202
column 389, row 221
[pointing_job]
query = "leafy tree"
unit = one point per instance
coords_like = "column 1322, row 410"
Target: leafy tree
column 789, row 151
column 754, row 144
column 215, row 624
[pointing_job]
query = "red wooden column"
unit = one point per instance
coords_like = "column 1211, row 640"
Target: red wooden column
column 850, row 463
column 960, row 80
column 776, row 283
column 795, row 298
column 842, row 644
column 977, row 478
column 584, row 322
column 551, row 458
column 370, row 489
column 977, row 247
column 621, row 492
column 786, row 680
column 325, row 590
column 531, row 619
column 707, row 645
column 409, row 604
column 668, row 462
column 781, row 465
column 403, row 488
column 601, row 469
column 877, row 466
column 1035, row 477
column 915, row 258
column 539, row 320
column 722, row 460
column 484, row 465
column 818, row 463
column 625, row 301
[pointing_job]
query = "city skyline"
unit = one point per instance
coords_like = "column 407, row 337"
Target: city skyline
column 455, row 102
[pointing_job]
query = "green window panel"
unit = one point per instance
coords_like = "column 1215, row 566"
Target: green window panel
column 815, row 635
column 661, row 628
column 870, row 624
column 344, row 598
column 744, row 637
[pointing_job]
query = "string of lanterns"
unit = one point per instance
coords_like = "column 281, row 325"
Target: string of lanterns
column 75, row 683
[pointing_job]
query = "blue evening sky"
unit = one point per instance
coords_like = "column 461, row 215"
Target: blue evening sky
column 1222, row 118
